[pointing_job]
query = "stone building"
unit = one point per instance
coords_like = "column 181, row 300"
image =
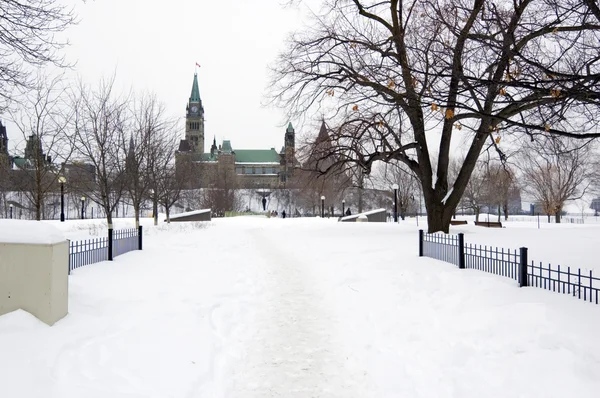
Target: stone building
column 5, row 159
column 244, row 168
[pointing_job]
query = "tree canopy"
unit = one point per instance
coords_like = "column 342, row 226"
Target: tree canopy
column 411, row 81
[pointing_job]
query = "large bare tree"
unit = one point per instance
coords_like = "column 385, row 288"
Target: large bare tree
column 402, row 80
column 29, row 37
column 150, row 151
column 100, row 124
column 555, row 171
column 42, row 119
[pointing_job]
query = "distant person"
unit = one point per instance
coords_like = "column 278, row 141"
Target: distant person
column 264, row 203
column 348, row 212
column 283, row 214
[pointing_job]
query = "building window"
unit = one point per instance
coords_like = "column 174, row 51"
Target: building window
column 238, row 170
column 275, row 170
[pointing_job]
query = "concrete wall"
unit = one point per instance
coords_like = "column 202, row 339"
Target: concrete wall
column 192, row 217
column 379, row 216
column 34, row 278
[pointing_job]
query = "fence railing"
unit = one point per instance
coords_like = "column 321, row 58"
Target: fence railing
column 90, row 251
column 510, row 263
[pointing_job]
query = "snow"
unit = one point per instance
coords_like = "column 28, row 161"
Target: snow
column 29, row 232
column 447, row 195
column 189, row 213
column 257, row 307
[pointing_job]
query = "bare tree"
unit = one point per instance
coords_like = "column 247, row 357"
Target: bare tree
column 475, row 194
column 222, row 194
column 408, row 185
column 42, row 120
column 150, row 150
column 555, row 171
column 402, row 78
column 28, row 36
column 500, row 187
column 100, row 123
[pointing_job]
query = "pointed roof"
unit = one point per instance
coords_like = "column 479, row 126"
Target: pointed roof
column 195, row 96
column 290, row 128
column 131, row 145
column 323, row 134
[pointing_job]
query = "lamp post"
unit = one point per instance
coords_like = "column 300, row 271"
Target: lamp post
column 395, row 188
column 82, row 207
column 10, row 206
column 62, row 181
column 343, row 207
column 322, row 206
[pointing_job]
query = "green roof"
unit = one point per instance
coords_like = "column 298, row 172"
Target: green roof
column 290, row 128
column 226, row 147
column 256, row 156
column 195, row 96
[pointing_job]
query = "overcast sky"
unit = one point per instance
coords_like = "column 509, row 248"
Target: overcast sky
column 154, row 45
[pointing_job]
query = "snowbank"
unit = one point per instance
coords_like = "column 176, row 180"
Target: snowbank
column 29, row 232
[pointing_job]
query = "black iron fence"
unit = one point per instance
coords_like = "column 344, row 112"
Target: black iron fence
column 510, row 263
column 90, row 251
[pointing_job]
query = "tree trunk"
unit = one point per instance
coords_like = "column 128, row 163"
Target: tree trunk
column 438, row 217
column 499, row 213
column 548, row 218
column 155, row 211
column 505, row 211
column 109, row 220
column 168, row 211
column 477, row 214
column 557, row 216
column 136, row 210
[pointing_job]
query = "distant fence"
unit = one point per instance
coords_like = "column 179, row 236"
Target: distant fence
column 510, row 263
column 90, row 251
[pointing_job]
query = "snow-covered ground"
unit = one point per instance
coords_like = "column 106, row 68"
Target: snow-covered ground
column 255, row 307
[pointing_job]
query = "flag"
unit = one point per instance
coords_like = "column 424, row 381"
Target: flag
column 197, row 64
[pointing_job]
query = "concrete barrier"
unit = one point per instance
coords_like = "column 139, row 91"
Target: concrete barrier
column 362, row 218
column 378, row 215
column 196, row 215
column 34, row 268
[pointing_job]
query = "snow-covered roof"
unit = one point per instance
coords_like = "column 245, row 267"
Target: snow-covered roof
column 29, row 232
column 189, row 213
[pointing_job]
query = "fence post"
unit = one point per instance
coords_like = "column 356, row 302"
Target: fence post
column 523, row 267
column 110, row 244
column 420, row 243
column 140, row 237
column 461, row 250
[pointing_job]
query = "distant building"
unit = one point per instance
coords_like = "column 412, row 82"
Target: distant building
column 246, row 168
column 5, row 159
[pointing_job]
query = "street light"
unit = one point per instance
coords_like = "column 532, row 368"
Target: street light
column 322, row 206
column 395, row 188
column 11, row 207
column 343, row 207
column 62, row 181
column 82, row 207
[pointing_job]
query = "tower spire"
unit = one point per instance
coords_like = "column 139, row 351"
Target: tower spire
column 195, row 96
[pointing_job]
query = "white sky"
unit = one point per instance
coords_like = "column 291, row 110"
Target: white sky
column 154, row 45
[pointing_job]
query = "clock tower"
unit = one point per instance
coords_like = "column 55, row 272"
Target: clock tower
column 194, row 119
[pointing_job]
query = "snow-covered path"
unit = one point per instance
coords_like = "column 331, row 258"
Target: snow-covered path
column 252, row 307
column 292, row 350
